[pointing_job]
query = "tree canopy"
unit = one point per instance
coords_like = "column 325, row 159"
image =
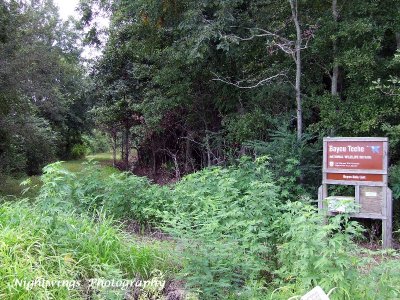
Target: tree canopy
column 42, row 86
column 196, row 83
column 206, row 77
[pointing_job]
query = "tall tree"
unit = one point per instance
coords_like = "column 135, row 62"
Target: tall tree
column 41, row 85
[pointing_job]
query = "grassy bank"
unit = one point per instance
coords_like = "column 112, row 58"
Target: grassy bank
column 44, row 243
column 72, row 251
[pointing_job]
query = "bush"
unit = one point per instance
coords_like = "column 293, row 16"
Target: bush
column 315, row 252
column 381, row 283
column 79, row 151
column 121, row 195
column 223, row 218
column 28, row 147
column 293, row 163
column 394, row 181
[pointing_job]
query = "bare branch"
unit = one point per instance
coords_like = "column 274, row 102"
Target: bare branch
column 238, row 83
column 277, row 41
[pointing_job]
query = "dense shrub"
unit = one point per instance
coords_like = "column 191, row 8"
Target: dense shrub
column 79, row 151
column 222, row 216
column 314, row 251
column 96, row 188
column 239, row 237
column 293, row 163
column 381, row 283
column 123, row 195
column 27, row 147
column 224, row 219
column 394, row 180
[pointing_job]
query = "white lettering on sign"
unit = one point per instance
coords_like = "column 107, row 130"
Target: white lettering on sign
column 355, row 177
column 343, row 149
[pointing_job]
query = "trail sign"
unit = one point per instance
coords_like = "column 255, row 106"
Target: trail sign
column 355, row 160
column 363, row 163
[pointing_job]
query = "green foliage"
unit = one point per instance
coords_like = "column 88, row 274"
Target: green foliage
column 394, row 179
column 394, row 182
column 19, row 187
column 239, row 238
column 79, row 151
column 249, row 126
column 36, row 244
column 97, row 142
column 293, row 163
column 381, row 283
column 234, row 205
column 313, row 253
column 124, row 196
column 41, row 87
column 223, row 217
column 95, row 188
column 180, row 66
column 29, row 144
column 167, row 84
column 316, row 251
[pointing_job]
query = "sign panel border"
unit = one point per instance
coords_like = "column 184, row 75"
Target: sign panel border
column 326, row 170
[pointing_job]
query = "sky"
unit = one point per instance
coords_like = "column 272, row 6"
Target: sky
column 66, row 9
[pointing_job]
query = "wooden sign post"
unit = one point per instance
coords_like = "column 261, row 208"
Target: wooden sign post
column 363, row 163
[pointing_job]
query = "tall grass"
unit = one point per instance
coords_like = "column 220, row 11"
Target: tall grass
column 64, row 246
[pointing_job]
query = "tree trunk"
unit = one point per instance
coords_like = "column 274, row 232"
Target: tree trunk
column 154, row 168
column 297, row 57
column 240, row 110
column 176, row 164
column 208, row 149
column 398, row 40
column 188, row 154
column 122, row 145
column 335, row 71
column 127, row 147
column 114, row 147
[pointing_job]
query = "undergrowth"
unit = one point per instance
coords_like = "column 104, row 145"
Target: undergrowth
column 38, row 245
column 237, row 237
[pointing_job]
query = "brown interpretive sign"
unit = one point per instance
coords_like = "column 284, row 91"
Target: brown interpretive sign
column 361, row 162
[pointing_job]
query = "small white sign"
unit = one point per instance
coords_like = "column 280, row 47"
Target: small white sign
column 316, row 293
column 341, row 204
column 371, row 194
